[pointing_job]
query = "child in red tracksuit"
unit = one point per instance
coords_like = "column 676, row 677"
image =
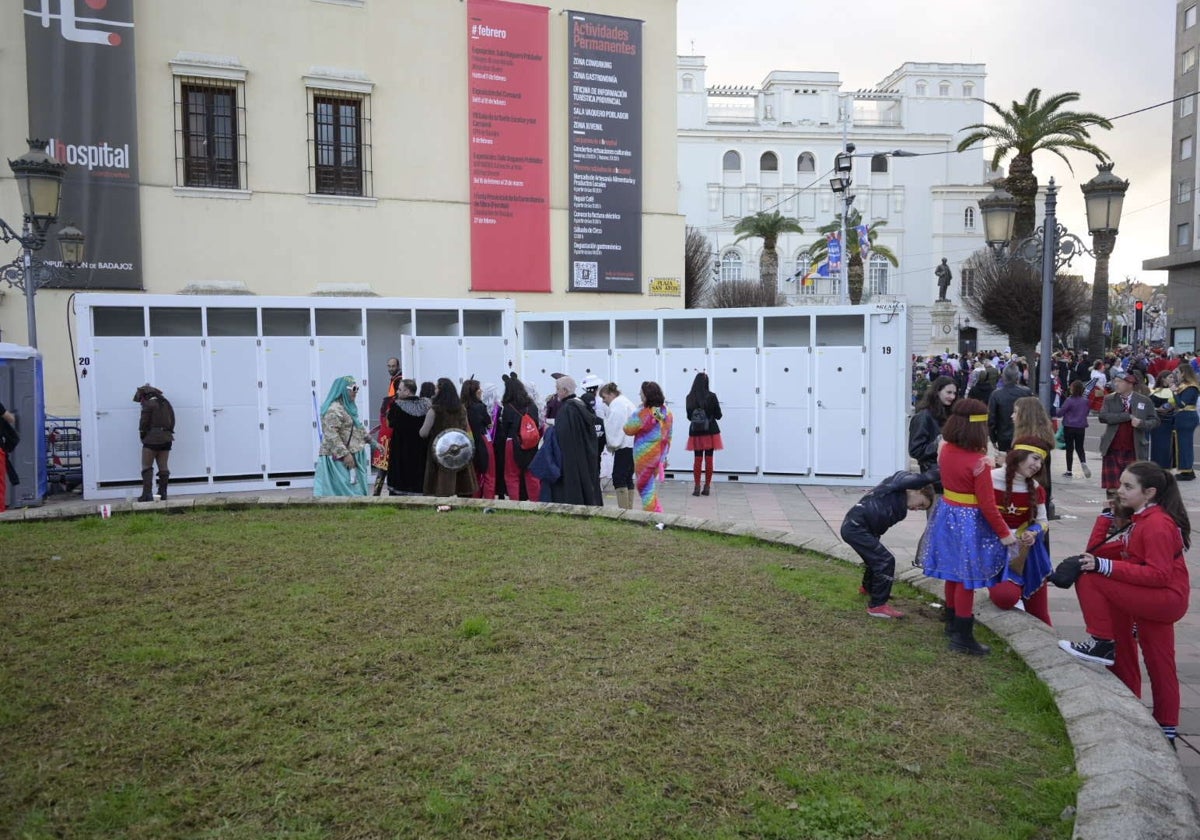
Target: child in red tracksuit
column 1148, row 586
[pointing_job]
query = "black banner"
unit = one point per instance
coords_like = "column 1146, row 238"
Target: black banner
column 82, row 98
column 605, row 105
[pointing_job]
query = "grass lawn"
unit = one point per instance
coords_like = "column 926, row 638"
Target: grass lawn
column 363, row 672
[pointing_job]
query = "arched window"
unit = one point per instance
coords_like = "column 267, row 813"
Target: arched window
column 877, row 275
column 732, row 162
column 968, row 89
column 879, row 163
column 731, row 266
column 769, row 162
column 688, row 83
column 969, row 218
column 943, row 88
column 922, row 87
column 806, row 162
column 803, row 266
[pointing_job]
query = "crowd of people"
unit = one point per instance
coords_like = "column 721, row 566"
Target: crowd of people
column 519, row 448
column 983, row 445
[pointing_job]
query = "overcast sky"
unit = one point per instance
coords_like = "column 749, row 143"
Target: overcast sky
column 1118, row 54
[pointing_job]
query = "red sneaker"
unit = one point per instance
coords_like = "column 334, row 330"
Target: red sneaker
column 884, row 611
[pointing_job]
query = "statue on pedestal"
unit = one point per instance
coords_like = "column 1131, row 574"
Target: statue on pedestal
column 944, row 276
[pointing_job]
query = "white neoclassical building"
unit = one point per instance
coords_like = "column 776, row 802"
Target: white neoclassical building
column 743, row 149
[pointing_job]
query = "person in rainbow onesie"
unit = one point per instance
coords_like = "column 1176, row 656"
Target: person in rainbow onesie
column 651, row 429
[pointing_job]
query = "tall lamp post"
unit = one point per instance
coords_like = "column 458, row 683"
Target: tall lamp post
column 1104, row 196
column 843, row 168
column 1051, row 247
column 39, row 180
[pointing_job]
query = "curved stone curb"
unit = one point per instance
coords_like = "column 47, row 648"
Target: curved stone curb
column 1133, row 785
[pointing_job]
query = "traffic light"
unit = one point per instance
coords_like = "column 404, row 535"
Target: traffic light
column 1137, row 315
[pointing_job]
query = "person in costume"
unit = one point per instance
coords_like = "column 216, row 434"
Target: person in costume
column 651, row 429
column 869, row 519
column 1150, row 587
column 1186, row 395
column 344, row 457
column 479, row 419
column 1022, row 506
column 1030, row 419
column 1128, row 417
column 967, row 541
column 520, row 485
column 578, row 482
column 446, row 412
column 408, row 450
column 1162, row 437
column 10, row 422
column 704, row 434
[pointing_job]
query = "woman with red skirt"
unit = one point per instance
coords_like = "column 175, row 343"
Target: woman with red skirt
column 704, row 435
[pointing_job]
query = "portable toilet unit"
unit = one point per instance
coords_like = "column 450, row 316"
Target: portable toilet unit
column 21, row 392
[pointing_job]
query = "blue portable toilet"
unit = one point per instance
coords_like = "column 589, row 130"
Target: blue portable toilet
column 22, row 393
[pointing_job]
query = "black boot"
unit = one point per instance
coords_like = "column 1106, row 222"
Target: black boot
column 162, row 484
column 962, row 638
column 147, row 480
column 947, row 621
column 696, row 490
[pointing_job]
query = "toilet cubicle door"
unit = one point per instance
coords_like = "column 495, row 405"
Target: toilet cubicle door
column 734, row 379
column 438, row 356
column 584, row 363
column 118, row 367
column 236, row 417
column 632, row 367
column 290, row 394
column 486, row 358
column 787, row 423
column 839, row 436
column 679, row 367
column 536, row 367
column 177, row 366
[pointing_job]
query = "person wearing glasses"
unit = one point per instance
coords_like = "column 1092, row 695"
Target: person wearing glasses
column 344, row 458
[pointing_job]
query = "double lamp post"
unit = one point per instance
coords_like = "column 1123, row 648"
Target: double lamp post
column 1052, row 246
column 39, row 180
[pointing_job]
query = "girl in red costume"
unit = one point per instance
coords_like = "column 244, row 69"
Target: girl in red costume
column 1149, row 586
column 967, row 541
column 1022, row 506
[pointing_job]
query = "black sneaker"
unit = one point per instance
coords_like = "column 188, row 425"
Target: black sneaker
column 1100, row 651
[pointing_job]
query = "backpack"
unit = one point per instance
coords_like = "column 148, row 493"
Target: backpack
column 699, row 418
column 528, row 436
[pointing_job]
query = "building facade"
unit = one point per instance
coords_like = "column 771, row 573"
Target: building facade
column 1182, row 260
column 745, row 149
column 301, row 147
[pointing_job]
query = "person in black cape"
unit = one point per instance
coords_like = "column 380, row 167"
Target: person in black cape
column 575, row 432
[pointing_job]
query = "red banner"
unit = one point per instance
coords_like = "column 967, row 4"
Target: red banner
column 509, row 107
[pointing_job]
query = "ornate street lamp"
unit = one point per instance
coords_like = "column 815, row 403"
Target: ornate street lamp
column 39, row 180
column 1051, row 247
column 1104, row 196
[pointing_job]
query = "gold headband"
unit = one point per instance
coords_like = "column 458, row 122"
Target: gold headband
column 1025, row 447
column 977, row 418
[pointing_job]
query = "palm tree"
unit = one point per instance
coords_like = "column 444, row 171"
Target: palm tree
column 1026, row 128
column 818, row 252
column 768, row 227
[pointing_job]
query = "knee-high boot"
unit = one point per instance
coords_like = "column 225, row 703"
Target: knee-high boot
column 708, row 471
column 625, row 498
column 147, row 481
column 162, row 484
